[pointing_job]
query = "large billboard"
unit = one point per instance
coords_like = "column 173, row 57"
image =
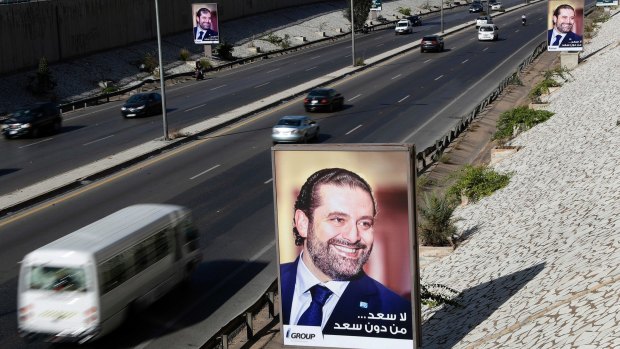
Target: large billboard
column 376, row 5
column 606, row 2
column 206, row 27
column 347, row 251
column 565, row 25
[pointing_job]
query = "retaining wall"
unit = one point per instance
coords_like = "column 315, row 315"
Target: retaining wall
column 65, row 29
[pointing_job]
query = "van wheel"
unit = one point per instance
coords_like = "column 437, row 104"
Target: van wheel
column 35, row 132
column 57, row 126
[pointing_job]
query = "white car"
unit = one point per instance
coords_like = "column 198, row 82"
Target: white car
column 403, row 26
column 488, row 32
column 482, row 20
column 497, row 6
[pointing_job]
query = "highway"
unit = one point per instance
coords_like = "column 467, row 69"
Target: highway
column 225, row 177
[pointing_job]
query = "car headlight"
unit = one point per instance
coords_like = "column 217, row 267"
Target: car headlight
column 123, row 108
column 26, row 125
column 140, row 107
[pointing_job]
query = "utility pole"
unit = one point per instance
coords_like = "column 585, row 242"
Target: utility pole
column 162, row 81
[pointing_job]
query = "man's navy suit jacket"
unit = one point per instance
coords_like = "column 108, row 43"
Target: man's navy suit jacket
column 362, row 296
column 209, row 34
column 569, row 38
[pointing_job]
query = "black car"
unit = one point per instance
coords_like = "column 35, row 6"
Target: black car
column 431, row 42
column 142, row 104
column 415, row 20
column 475, row 8
column 326, row 99
column 33, row 120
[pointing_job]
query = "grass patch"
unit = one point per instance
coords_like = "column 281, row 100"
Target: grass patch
column 476, row 182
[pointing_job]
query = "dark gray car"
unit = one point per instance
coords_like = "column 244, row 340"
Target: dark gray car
column 32, row 121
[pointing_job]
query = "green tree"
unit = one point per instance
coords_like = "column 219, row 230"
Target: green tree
column 437, row 225
column 361, row 8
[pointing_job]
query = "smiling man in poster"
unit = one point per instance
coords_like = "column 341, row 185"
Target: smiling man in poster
column 327, row 297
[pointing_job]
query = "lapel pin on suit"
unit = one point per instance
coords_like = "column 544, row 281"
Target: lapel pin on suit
column 364, row 305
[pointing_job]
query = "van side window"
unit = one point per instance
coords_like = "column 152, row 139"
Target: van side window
column 113, row 272
column 191, row 235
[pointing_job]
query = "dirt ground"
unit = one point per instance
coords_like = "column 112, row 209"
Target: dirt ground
column 472, row 147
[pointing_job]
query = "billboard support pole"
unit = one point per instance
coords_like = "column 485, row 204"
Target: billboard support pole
column 208, row 51
column 352, row 35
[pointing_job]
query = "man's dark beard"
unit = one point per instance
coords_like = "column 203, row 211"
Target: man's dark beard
column 327, row 260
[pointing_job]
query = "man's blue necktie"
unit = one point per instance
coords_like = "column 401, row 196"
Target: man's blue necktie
column 201, row 35
column 314, row 314
column 557, row 40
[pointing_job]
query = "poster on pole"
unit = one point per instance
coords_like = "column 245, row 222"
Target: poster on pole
column 205, row 23
column 565, row 25
column 604, row 3
column 346, row 241
column 376, row 5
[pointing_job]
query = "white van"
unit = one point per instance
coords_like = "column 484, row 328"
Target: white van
column 488, row 32
column 403, row 26
column 82, row 285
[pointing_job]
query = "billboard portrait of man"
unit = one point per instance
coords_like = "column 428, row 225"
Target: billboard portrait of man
column 566, row 26
column 205, row 24
column 347, row 259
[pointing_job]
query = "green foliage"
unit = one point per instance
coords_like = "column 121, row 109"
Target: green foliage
column 284, row 42
column 205, row 63
column 557, row 71
column 437, row 225
column 404, row 11
column 184, row 54
column 42, row 82
column 541, row 88
column 361, row 9
column 359, row 62
column 436, row 294
column 522, row 117
column 476, row 182
column 150, row 62
column 224, row 50
column 109, row 89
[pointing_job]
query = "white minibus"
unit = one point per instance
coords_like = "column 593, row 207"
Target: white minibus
column 82, row 285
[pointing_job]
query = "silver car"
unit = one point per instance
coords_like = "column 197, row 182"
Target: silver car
column 295, row 129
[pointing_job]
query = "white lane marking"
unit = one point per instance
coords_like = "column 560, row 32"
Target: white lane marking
column 215, row 88
column 465, row 61
column 486, row 48
column 311, row 68
column 347, row 55
column 397, row 76
column 196, row 107
column 354, row 97
column 315, row 57
column 268, row 181
column 203, row 172
column 439, row 77
column 454, row 100
column 212, row 291
column 380, row 45
column 402, row 99
column 98, row 140
column 426, row 61
column 272, row 70
column 358, row 126
column 261, row 85
column 35, row 143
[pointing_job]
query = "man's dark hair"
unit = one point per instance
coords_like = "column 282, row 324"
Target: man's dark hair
column 308, row 198
column 202, row 10
column 562, row 7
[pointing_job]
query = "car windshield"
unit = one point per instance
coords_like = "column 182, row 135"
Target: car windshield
column 402, row 24
column 137, row 98
column 289, row 122
column 57, row 279
column 318, row 93
column 486, row 29
column 23, row 115
column 429, row 38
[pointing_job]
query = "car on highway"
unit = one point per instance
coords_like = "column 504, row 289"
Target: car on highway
column 415, row 20
column 295, row 129
column 482, row 20
column 432, row 42
column 496, row 6
column 326, row 99
column 32, row 120
column 476, row 7
column 488, row 32
column 142, row 104
column 403, row 26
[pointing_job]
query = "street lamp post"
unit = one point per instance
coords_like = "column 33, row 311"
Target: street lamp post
column 441, row 16
column 162, row 81
column 352, row 35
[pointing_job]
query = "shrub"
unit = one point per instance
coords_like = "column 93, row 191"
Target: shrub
column 436, row 294
column 273, row 39
column 404, row 11
column 359, row 62
column 184, row 54
column 224, row 50
column 150, row 62
column 523, row 117
column 286, row 41
column 205, row 64
column 476, row 182
column 42, row 82
column 437, row 226
column 541, row 88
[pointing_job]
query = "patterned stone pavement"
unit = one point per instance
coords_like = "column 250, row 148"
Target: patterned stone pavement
column 540, row 269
